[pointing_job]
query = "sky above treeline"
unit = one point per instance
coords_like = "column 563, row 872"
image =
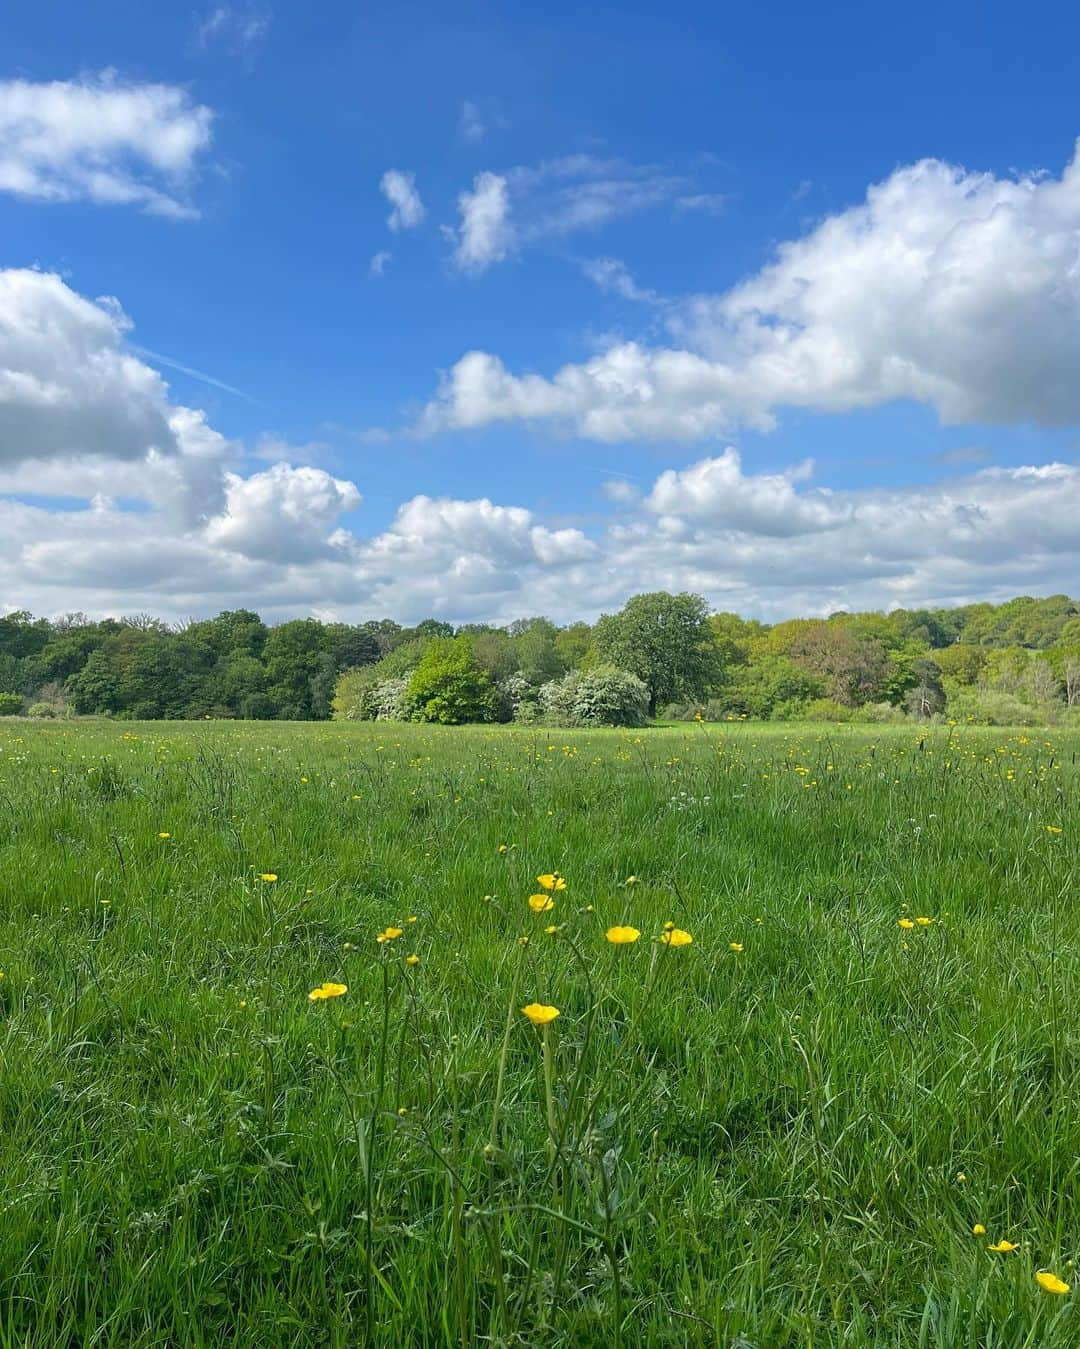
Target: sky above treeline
column 480, row 311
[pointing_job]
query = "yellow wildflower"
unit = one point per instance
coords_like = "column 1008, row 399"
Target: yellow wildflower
column 551, row 880
column 1003, row 1247
column 327, row 990
column 1050, row 1283
column 622, row 936
column 978, row 1230
column 675, row 936
column 924, row 922
column 906, row 923
column 269, row 876
column 388, row 934
column 412, row 960
column 540, row 1014
column 735, row 946
column 551, row 929
column 541, row 903
column 1053, row 829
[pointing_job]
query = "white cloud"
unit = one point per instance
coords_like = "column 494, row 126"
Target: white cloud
column 243, row 29
column 955, row 289
column 68, row 384
column 529, row 205
column 614, row 277
column 377, row 265
column 152, row 517
column 282, row 514
column 399, row 189
column 486, row 235
column 471, row 126
column 98, row 139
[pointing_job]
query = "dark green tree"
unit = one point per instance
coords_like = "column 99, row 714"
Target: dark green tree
column 663, row 639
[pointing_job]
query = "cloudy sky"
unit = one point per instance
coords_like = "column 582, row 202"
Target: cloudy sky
column 490, row 310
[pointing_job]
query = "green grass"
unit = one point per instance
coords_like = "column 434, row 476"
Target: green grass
column 787, row 1145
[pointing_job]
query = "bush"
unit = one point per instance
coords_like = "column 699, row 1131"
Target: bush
column 604, row 696
column 10, row 704
column 878, row 714
column 362, row 696
column 992, row 708
column 826, row 709
column 41, row 710
column 449, row 687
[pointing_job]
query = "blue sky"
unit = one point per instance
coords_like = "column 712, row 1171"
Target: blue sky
column 747, row 238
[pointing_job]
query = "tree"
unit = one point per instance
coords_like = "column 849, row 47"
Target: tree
column 854, row 671
column 94, row 688
column 663, row 639
column 926, row 696
column 21, row 635
column 10, row 704
column 449, row 686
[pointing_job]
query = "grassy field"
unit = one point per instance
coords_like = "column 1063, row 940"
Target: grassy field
column 782, row 1133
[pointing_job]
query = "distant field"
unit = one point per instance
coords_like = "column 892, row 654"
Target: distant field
column 779, row 1134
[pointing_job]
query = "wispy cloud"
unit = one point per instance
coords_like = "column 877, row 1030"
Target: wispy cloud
column 399, row 188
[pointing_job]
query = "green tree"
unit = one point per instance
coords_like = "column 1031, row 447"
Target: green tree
column 10, row 704
column 449, row 685
column 663, row 639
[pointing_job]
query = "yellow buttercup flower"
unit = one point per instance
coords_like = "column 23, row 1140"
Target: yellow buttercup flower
column 268, row 876
column 551, row 929
column 163, row 835
column 540, row 1014
column 388, row 934
column 735, row 946
column 622, row 936
column 412, row 960
column 978, row 1230
column 1053, row 829
column 1003, row 1247
column 551, row 880
column 924, row 922
column 906, row 923
column 541, row 903
column 327, row 990
column 1050, row 1283
column 675, row 936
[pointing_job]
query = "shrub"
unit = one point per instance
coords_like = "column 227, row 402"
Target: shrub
column 449, row 687
column 603, row 696
column 878, row 714
column 10, row 704
column 993, row 708
column 826, row 709
column 41, row 710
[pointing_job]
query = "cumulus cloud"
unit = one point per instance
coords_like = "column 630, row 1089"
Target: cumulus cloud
column 486, row 235
column 282, row 514
column 102, row 140
column 399, row 189
column 956, row 289
column 68, row 383
column 153, row 514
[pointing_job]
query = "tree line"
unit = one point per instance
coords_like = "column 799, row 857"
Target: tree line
column 1016, row 663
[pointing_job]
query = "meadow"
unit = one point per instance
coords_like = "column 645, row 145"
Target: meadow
column 828, row 1095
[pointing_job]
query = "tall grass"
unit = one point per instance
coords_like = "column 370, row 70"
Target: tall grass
column 783, row 1144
